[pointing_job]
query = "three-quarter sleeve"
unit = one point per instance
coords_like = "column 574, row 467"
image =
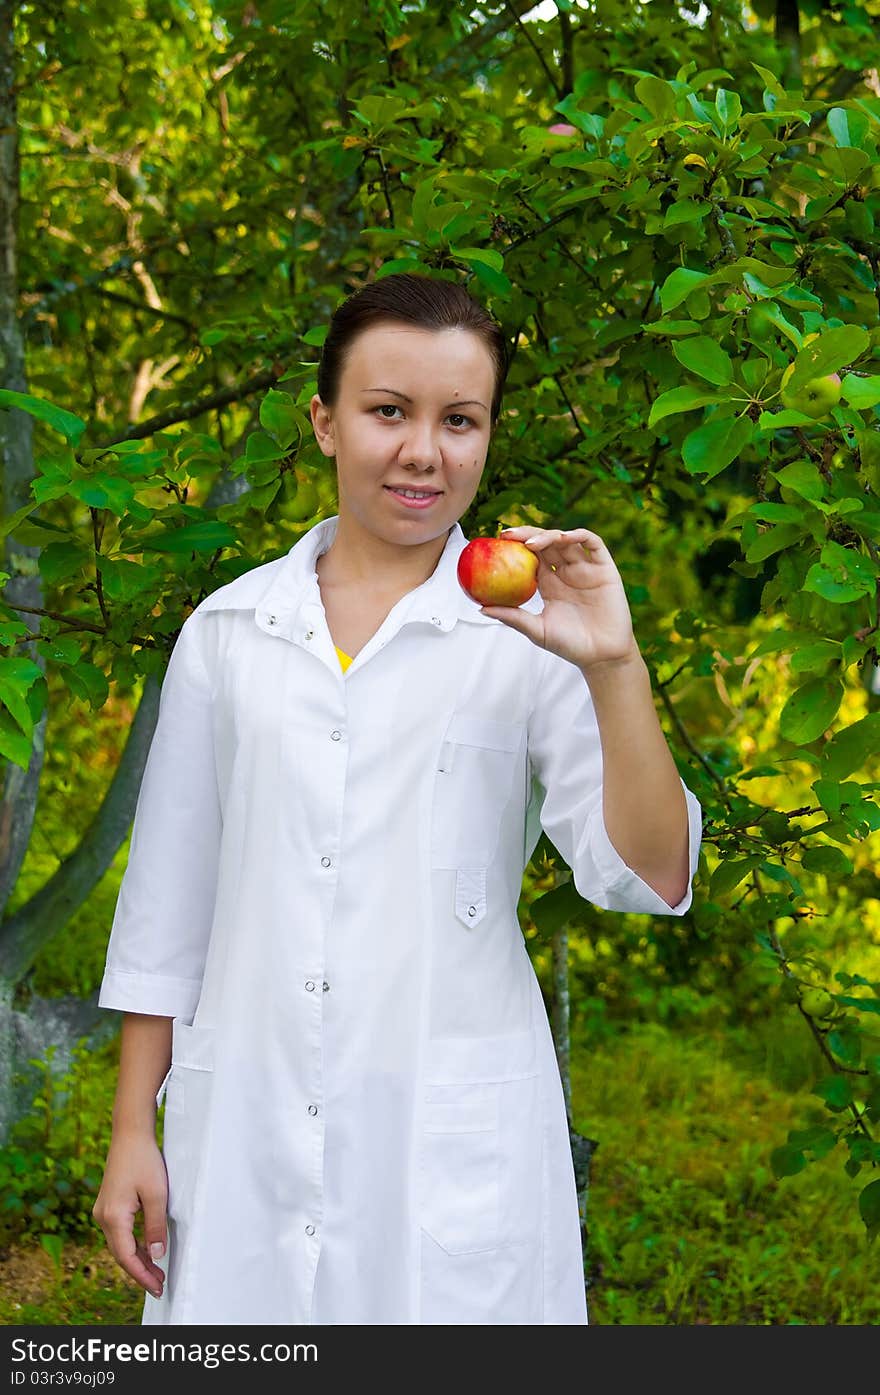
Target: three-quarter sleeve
column 565, row 757
column 162, row 922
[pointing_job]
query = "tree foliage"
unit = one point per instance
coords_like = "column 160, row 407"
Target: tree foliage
column 667, row 218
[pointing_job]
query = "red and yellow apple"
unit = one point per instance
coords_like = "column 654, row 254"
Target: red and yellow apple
column 498, row 571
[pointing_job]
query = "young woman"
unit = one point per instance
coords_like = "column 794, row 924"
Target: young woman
column 316, row 946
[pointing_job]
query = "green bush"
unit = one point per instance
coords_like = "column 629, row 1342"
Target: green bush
column 51, row 1168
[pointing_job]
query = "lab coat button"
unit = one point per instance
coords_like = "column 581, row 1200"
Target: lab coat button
column 335, row 735
column 326, row 985
column 309, row 985
column 435, row 620
column 325, row 862
column 309, row 634
column 310, row 1230
column 472, row 910
column 271, row 620
column 313, row 1109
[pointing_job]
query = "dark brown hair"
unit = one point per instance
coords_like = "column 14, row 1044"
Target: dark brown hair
column 425, row 301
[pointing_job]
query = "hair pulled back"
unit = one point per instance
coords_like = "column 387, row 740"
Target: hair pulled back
column 424, row 301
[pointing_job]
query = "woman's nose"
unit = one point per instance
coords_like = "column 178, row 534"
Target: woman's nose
column 422, row 446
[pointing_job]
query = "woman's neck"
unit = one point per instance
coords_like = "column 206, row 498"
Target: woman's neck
column 356, row 559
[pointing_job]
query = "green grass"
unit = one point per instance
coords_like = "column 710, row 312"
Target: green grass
column 687, row 1223
column 86, row 1288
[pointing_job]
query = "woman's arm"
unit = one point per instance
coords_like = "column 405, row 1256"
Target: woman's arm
column 134, row 1176
column 644, row 808
column 595, row 742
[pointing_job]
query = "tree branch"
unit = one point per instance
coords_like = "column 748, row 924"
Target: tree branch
column 185, row 411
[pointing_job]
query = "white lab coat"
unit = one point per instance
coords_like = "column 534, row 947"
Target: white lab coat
column 364, row 1118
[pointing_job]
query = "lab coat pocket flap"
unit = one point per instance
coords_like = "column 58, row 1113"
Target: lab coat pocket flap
column 488, row 732
column 472, row 1060
column 192, row 1047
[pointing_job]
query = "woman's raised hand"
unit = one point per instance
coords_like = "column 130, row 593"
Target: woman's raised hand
column 586, row 617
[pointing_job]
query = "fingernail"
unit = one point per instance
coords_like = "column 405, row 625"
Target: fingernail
column 157, row 1249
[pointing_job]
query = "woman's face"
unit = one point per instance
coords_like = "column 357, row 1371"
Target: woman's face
column 413, row 412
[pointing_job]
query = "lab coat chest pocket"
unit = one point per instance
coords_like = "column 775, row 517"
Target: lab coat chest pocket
column 480, row 1178
column 474, row 778
column 187, row 1100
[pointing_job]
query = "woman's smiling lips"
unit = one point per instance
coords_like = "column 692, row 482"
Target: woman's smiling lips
column 424, row 502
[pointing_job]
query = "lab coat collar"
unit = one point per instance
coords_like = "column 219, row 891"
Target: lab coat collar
column 277, row 590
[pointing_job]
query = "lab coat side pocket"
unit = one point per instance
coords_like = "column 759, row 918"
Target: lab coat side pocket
column 187, row 1100
column 481, row 1143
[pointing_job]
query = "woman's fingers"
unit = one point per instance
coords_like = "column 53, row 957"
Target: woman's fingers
column 542, row 538
column 135, row 1182
column 119, row 1232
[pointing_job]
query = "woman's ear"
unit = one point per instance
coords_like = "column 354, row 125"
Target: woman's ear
column 322, row 425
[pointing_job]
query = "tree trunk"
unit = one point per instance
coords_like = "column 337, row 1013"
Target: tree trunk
column 18, row 788
column 787, row 33
column 582, row 1148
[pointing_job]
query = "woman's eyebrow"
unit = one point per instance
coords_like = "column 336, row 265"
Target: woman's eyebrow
column 460, row 402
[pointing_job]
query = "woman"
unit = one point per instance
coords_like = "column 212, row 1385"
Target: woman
column 317, row 927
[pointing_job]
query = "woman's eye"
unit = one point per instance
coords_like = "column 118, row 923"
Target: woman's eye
column 393, row 407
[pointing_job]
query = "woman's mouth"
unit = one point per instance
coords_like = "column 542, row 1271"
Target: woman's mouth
column 414, row 498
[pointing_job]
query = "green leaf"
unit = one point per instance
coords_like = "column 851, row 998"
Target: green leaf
column 14, row 745
column 678, row 286
column 316, row 335
column 818, row 1140
column 680, row 399
column 859, row 392
column 730, row 872
column 658, row 96
column 832, row 350
column 713, row 446
column 396, row 264
column 685, row 211
column 17, row 677
column 786, row 1161
column 555, row 908
column 810, row 710
column 841, row 574
column 728, row 106
column 87, row 682
column 831, row 861
column 701, row 355
column 776, row 512
column 261, row 447
column 802, row 477
column 777, row 421
column 861, row 1004
column 835, row 1090
column 815, row 656
column 494, row 280
column 848, row 127
column 770, row 81
column 61, row 647
column 774, row 540
column 70, row 427
column 851, row 748
column 846, row 1043
column 869, row 1207
column 192, row 537
column 60, row 560
column 486, row 255
column 13, row 520
column 280, row 416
